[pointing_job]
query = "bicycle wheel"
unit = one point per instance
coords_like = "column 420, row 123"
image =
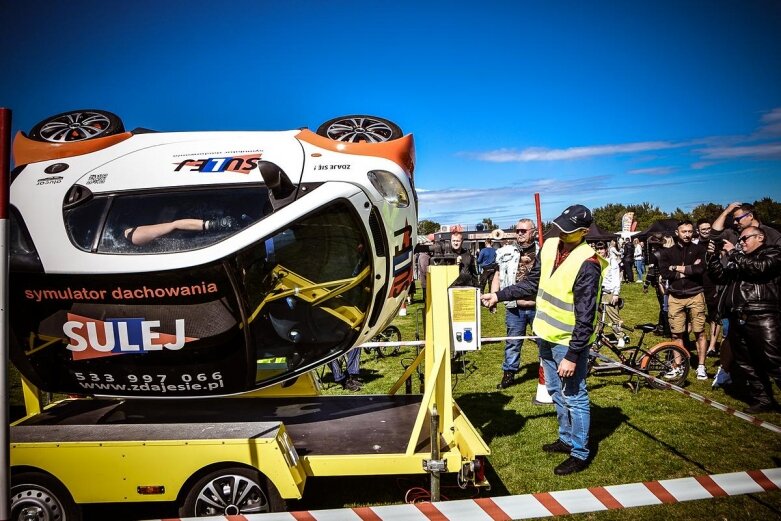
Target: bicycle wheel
column 666, row 361
column 389, row 334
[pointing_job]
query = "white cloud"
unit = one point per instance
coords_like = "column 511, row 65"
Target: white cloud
column 771, row 122
column 505, row 204
column 761, row 151
column 558, row 154
column 699, row 165
column 716, row 147
column 657, row 170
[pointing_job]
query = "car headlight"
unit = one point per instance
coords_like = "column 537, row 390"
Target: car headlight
column 389, row 187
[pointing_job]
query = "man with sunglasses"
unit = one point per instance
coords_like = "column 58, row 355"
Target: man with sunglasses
column 752, row 301
column 569, row 290
column 743, row 215
column 516, row 259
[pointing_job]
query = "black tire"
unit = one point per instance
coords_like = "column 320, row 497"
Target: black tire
column 389, row 334
column 360, row 129
column 77, row 125
column 215, row 494
column 41, row 496
column 661, row 360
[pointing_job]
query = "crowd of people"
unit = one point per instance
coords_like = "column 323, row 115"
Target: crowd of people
column 719, row 282
column 709, row 276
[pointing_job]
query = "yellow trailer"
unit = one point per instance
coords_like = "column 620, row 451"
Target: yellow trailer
column 245, row 454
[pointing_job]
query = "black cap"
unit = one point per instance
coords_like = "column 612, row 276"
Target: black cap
column 574, row 218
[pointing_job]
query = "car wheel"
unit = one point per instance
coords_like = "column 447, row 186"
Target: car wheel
column 360, row 129
column 230, row 492
column 77, row 125
column 35, row 495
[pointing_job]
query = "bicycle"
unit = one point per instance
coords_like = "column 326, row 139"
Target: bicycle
column 667, row 360
column 389, row 334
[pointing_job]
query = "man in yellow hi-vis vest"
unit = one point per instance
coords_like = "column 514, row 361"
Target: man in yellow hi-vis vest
column 570, row 282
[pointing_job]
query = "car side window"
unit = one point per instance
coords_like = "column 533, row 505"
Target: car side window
column 181, row 220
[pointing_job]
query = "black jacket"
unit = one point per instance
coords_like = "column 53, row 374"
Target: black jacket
column 585, row 291
column 753, row 281
column 628, row 253
column 692, row 257
column 467, row 269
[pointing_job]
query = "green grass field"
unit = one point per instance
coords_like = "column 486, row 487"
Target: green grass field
column 650, row 435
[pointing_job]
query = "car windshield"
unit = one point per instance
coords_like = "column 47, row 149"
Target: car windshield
column 308, row 289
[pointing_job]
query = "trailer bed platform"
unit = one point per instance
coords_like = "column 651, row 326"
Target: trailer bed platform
column 320, row 425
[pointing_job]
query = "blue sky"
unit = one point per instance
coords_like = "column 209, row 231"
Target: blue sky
column 676, row 103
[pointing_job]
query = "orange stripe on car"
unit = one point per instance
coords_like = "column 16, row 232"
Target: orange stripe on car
column 28, row 150
column 401, row 151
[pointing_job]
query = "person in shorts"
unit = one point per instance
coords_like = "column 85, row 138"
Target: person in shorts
column 683, row 266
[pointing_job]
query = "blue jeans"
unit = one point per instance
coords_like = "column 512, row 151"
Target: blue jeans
column 516, row 320
column 353, row 365
column 570, row 397
column 640, row 265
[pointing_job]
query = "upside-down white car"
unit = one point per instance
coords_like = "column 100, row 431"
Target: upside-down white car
column 203, row 263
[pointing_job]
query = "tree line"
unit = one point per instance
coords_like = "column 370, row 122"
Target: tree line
column 608, row 217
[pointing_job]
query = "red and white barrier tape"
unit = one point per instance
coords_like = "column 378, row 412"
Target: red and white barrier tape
column 700, row 398
column 545, row 504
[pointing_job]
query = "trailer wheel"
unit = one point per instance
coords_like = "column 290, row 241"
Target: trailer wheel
column 35, row 495
column 360, row 128
column 230, row 492
column 77, row 125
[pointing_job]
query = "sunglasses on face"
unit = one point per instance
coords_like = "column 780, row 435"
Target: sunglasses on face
column 739, row 217
column 523, row 230
column 745, row 238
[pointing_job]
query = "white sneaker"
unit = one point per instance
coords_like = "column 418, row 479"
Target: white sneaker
column 701, row 374
column 721, row 379
column 672, row 374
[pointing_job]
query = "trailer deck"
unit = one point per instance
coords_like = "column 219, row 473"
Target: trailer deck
column 320, row 425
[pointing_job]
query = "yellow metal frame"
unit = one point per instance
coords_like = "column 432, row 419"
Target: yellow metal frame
column 289, row 283
column 463, row 443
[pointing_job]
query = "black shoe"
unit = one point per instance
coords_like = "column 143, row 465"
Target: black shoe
column 557, row 446
column 760, row 407
column 570, row 466
column 507, row 380
column 351, row 385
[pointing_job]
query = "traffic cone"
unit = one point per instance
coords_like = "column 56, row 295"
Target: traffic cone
column 542, row 397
